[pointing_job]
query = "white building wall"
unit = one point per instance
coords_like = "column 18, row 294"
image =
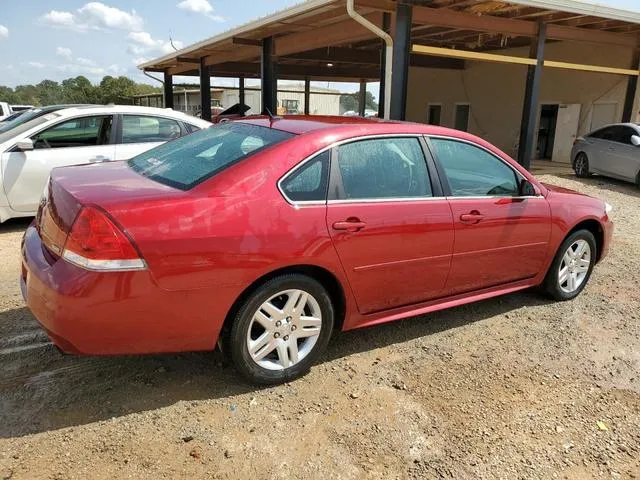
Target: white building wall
column 495, row 91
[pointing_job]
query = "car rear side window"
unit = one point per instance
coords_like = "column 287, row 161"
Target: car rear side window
column 309, row 183
column 384, row 168
column 190, row 160
column 472, row 171
column 147, row 129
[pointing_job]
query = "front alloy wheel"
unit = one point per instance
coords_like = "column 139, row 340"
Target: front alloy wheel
column 281, row 329
column 572, row 266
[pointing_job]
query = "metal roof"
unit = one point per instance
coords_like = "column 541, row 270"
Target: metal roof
column 304, row 27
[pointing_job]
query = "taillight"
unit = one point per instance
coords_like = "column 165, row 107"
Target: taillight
column 95, row 243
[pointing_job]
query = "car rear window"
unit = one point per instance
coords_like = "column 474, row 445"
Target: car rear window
column 190, row 160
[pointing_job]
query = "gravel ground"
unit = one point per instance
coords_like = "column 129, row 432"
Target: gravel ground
column 513, row 387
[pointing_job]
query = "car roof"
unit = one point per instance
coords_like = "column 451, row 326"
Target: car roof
column 101, row 109
column 300, row 124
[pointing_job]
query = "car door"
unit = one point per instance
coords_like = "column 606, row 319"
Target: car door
column 624, row 155
column 75, row 141
column 500, row 237
column 139, row 133
column 389, row 223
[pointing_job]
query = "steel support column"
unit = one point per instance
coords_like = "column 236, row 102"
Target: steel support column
column 362, row 98
column 526, row 149
column 632, row 89
column 269, row 78
column 307, row 95
column 401, row 55
column 205, row 91
column 386, row 25
column 241, row 95
column 168, row 90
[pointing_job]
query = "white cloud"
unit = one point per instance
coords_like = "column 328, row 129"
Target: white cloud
column 144, row 43
column 85, row 62
column 36, row 65
column 202, row 7
column 142, row 38
column 94, row 16
column 63, row 52
column 83, row 66
column 4, row 32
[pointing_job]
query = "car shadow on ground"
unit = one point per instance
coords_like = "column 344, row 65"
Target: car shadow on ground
column 15, row 225
column 606, row 183
column 41, row 389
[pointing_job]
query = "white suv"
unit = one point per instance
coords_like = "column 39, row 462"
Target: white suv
column 76, row 136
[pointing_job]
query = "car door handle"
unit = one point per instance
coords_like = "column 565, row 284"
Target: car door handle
column 99, row 158
column 472, row 217
column 349, row 225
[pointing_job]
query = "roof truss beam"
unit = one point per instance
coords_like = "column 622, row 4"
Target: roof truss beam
column 511, row 26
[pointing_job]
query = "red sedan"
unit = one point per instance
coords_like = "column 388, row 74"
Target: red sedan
column 267, row 234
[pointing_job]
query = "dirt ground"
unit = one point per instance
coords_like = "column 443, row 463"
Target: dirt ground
column 515, row 387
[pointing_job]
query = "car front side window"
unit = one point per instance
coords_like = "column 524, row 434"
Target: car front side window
column 471, row 171
column 77, row 132
column 383, row 168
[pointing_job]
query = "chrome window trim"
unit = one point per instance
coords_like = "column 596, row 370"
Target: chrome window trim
column 504, row 162
column 417, row 136
column 385, row 200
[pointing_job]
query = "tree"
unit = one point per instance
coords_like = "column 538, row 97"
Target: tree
column 351, row 101
column 49, row 92
column 79, row 90
column 116, row 90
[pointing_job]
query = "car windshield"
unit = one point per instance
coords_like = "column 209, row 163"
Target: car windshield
column 20, row 119
column 190, row 160
column 24, row 126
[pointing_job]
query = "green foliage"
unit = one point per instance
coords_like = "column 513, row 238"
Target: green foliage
column 76, row 90
column 350, row 101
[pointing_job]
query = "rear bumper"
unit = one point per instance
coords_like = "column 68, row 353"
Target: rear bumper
column 112, row 313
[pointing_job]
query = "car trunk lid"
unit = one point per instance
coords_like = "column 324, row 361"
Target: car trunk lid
column 102, row 185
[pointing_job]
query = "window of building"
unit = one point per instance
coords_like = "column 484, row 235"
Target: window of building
column 433, row 114
column 462, row 113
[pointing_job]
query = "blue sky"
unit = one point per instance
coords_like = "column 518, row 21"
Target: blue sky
column 57, row 39
column 63, row 38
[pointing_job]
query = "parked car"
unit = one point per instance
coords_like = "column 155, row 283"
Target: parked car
column 5, row 110
column 11, row 117
column 613, row 151
column 266, row 234
column 75, row 136
column 24, row 116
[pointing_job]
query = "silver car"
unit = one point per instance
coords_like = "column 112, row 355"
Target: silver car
column 613, row 151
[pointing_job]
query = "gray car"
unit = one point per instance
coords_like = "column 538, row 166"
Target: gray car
column 613, row 151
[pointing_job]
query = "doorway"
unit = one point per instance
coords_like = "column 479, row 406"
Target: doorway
column 547, row 131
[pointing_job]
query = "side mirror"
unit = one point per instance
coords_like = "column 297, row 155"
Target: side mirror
column 635, row 139
column 25, row 145
column 526, row 189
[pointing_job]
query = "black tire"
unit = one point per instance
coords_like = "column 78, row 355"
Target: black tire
column 551, row 283
column 236, row 342
column 581, row 165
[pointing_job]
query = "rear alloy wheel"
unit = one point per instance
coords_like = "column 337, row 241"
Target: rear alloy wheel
column 581, row 165
column 572, row 266
column 281, row 329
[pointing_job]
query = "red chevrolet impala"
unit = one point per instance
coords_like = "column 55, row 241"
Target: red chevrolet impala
column 268, row 233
